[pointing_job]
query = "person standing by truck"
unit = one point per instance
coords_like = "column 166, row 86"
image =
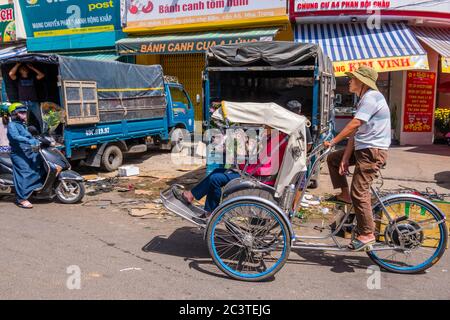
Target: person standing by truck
column 26, row 83
column 369, row 135
column 26, row 87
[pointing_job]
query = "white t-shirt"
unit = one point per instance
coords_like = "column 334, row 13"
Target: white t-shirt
column 376, row 130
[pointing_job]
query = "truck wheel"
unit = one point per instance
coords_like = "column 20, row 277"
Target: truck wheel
column 112, row 158
column 177, row 140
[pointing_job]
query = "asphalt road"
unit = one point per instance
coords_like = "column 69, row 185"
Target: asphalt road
column 122, row 257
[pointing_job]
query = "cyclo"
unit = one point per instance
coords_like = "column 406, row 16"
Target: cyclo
column 252, row 232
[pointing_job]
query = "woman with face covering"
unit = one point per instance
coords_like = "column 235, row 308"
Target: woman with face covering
column 27, row 165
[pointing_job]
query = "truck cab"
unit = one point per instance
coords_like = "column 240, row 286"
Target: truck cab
column 180, row 110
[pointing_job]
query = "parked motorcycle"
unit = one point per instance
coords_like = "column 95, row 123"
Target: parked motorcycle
column 60, row 181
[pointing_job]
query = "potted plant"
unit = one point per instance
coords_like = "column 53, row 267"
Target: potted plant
column 53, row 116
column 442, row 121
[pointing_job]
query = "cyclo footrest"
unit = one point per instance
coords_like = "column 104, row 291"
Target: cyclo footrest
column 191, row 213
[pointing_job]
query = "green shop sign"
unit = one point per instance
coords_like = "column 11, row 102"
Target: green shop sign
column 7, row 23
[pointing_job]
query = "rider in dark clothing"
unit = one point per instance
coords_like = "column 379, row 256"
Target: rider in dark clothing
column 27, row 165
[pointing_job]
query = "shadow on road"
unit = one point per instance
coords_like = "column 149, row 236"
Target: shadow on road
column 338, row 263
column 443, row 179
column 187, row 243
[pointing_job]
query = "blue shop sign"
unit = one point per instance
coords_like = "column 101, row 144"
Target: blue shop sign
column 71, row 24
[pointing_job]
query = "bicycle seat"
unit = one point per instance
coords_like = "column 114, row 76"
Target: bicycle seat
column 6, row 160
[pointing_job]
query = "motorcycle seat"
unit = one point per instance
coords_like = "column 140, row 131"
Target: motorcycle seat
column 6, row 160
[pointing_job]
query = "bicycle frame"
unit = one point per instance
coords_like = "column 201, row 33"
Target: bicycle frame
column 337, row 246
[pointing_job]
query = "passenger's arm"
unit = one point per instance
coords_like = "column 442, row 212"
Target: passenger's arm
column 13, row 71
column 40, row 75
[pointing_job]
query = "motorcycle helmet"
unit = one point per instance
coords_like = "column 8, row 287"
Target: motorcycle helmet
column 17, row 107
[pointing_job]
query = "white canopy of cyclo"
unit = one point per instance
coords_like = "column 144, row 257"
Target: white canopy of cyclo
column 279, row 118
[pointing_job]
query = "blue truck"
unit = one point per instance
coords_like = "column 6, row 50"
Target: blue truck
column 100, row 110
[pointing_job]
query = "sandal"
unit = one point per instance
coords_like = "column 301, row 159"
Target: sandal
column 28, row 205
column 178, row 194
column 336, row 199
column 358, row 245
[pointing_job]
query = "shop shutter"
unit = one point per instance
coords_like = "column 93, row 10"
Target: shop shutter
column 188, row 69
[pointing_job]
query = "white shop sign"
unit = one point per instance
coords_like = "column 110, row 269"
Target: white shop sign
column 145, row 13
column 318, row 6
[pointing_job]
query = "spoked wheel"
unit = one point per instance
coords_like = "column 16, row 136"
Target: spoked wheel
column 415, row 241
column 70, row 192
column 248, row 240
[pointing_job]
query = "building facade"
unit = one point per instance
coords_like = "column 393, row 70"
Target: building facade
column 407, row 42
column 12, row 37
column 176, row 34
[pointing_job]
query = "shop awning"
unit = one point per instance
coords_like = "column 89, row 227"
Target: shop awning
column 191, row 42
column 12, row 52
column 391, row 47
column 439, row 40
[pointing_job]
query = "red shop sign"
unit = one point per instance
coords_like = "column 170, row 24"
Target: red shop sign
column 419, row 101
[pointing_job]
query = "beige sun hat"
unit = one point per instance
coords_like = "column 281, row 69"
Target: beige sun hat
column 366, row 75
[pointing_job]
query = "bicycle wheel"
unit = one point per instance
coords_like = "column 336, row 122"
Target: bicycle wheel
column 415, row 241
column 248, row 240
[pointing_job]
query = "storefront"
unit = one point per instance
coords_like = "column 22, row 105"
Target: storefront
column 385, row 36
column 86, row 28
column 437, row 42
column 10, row 44
column 177, row 35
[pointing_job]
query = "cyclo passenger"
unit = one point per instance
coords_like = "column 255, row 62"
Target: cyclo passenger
column 266, row 168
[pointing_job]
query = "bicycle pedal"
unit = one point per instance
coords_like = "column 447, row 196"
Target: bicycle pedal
column 368, row 248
